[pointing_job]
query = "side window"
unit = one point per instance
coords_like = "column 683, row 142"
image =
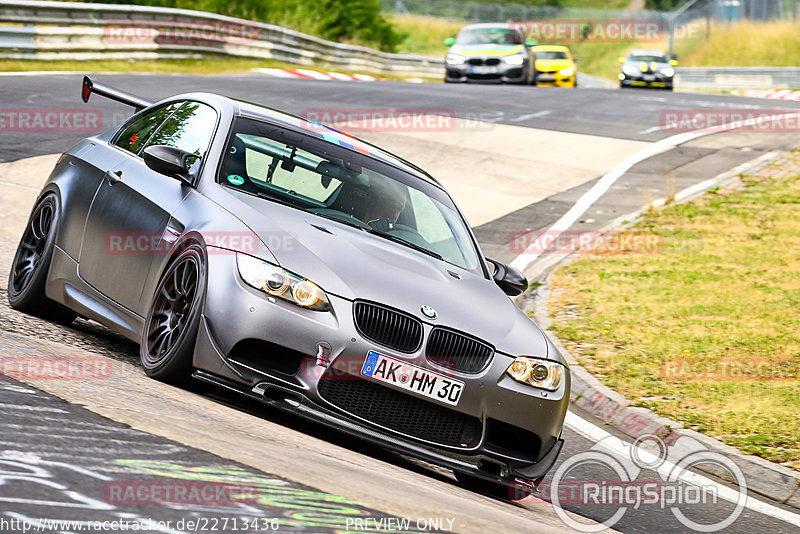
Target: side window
column 189, row 128
column 431, row 224
column 136, row 134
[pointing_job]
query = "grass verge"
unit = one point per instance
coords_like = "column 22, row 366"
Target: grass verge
column 201, row 65
column 425, row 35
column 707, row 330
column 745, row 44
column 210, row 65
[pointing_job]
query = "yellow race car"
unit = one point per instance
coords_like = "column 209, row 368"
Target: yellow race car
column 555, row 66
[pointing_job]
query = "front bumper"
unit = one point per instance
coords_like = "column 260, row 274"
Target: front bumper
column 554, row 79
column 499, row 73
column 269, row 350
column 643, row 80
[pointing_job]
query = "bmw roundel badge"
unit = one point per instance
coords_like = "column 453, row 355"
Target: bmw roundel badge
column 428, row 312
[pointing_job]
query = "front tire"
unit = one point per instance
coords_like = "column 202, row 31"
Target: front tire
column 170, row 331
column 28, row 276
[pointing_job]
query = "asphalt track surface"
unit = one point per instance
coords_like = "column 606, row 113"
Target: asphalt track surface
column 58, row 459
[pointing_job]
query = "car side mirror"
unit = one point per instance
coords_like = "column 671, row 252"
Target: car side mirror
column 530, row 42
column 673, row 62
column 450, row 41
column 509, row 279
column 169, row 161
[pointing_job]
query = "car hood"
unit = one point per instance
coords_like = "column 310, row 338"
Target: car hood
column 486, row 50
column 553, row 64
column 353, row 264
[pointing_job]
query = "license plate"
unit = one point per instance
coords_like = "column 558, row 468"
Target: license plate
column 546, row 78
column 483, row 70
column 649, row 77
column 412, row 378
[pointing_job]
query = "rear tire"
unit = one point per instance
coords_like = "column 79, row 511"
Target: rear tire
column 29, row 269
column 170, row 331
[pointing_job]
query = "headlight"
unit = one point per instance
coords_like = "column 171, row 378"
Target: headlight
column 630, row 70
column 281, row 283
column 516, row 59
column 542, row 374
column 669, row 72
column 454, row 59
column 569, row 71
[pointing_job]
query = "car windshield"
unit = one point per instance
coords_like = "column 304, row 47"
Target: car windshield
column 480, row 36
column 330, row 181
column 550, row 54
column 648, row 58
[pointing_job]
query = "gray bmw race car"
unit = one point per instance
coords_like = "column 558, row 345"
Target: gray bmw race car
column 487, row 51
column 294, row 264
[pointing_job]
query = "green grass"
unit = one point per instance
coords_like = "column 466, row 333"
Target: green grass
column 724, row 289
column 425, row 35
column 599, row 59
column 744, row 44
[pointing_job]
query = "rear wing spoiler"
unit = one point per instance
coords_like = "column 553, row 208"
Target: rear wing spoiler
column 90, row 87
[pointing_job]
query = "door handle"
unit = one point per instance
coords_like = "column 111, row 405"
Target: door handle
column 113, row 177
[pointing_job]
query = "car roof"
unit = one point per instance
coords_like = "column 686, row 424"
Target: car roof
column 645, row 52
column 491, row 25
column 332, row 135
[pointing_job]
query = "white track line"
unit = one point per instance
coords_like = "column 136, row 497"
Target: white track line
column 650, row 130
column 531, row 116
column 524, row 260
column 621, row 448
column 9, row 184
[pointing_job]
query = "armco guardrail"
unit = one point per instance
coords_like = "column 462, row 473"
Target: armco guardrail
column 71, row 30
column 737, row 77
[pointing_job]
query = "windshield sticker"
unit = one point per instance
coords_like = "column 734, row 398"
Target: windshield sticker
column 235, row 179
